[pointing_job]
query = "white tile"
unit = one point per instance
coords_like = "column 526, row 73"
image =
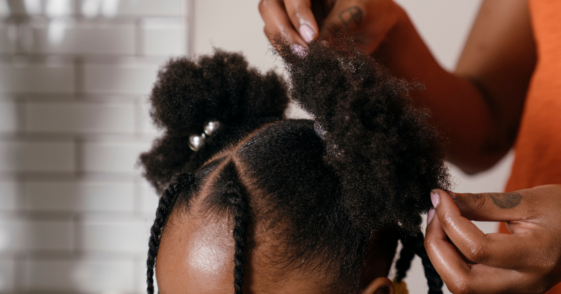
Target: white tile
column 81, row 196
column 152, row 7
column 147, row 125
column 114, row 235
column 11, row 194
column 22, row 235
column 7, row 35
column 23, row 77
column 140, row 277
column 57, row 8
column 85, row 275
column 79, row 117
column 16, row 7
column 164, row 36
column 112, row 157
column 124, row 77
column 4, row 8
column 51, row 8
column 84, row 38
column 7, row 275
column 22, row 156
column 148, row 198
column 8, row 117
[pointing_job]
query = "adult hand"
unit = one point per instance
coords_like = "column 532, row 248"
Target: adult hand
column 469, row 261
column 302, row 21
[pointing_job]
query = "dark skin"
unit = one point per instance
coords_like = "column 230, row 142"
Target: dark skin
column 196, row 255
column 479, row 107
column 470, row 261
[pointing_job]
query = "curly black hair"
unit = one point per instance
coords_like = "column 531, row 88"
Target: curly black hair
column 366, row 162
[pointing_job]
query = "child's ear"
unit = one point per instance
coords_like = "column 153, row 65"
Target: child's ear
column 381, row 285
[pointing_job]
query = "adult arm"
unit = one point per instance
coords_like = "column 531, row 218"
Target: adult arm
column 469, row 261
column 478, row 106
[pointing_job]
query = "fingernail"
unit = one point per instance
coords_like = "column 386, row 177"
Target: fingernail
column 307, row 33
column 430, row 216
column 435, row 198
column 299, row 50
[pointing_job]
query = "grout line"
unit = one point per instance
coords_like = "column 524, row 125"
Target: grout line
column 19, row 273
column 79, row 78
column 139, row 38
column 21, row 123
column 138, row 199
column 78, row 157
column 138, row 118
column 191, row 30
column 76, row 235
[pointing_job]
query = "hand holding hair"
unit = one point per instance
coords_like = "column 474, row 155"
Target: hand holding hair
column 469, row 261
column 303, row 21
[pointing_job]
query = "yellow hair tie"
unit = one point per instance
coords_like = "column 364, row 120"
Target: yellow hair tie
column 400, row 288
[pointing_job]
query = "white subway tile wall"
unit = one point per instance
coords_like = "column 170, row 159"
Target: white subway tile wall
column 75, row 75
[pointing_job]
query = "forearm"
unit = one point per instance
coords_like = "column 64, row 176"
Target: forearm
column 459, row 108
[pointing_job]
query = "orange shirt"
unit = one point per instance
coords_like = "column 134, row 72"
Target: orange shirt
column 538, row 145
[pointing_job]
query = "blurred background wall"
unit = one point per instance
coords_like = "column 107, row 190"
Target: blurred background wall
column 74, row 79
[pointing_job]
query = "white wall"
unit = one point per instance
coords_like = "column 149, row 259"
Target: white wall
column 74, row 78
column 444, row 25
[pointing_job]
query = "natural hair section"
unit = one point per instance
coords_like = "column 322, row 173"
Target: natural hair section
column 366, row 163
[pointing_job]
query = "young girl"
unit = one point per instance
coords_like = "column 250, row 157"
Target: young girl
column 254, row 202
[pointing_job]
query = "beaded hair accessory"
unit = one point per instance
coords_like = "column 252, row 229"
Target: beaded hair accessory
column 197, row 141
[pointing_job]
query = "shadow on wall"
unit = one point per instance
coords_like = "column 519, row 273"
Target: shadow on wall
column 74, row 80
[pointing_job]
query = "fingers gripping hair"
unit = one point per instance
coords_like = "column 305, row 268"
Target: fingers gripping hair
column 165, row 207
column 382, row 148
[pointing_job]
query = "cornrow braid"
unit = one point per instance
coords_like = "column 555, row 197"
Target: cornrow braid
column 403, row 264
column 165, row 206
column 415, row 245
column 235, row 196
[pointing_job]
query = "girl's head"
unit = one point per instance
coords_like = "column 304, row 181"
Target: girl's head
column 274, row 205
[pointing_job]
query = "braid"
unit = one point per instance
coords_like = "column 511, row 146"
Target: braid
column 235, row 195
column 411, row 246
column 165, row 207
column 433, row 278
column 406, row 256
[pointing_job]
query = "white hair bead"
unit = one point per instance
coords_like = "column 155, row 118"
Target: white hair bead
column 211, row 126
column 196, row 142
